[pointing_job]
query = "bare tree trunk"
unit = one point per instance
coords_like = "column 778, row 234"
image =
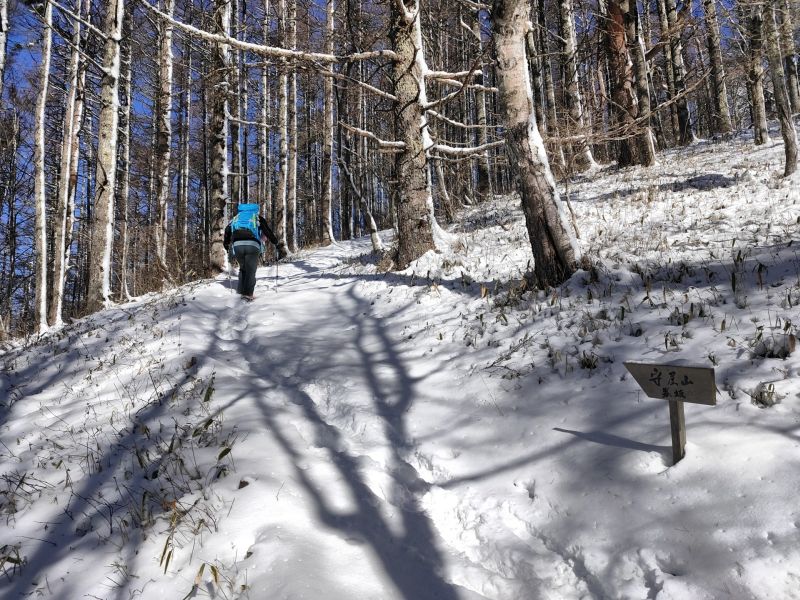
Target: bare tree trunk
column 327, row 143
column 39, row 183
column 782, row 104
column 69, row 153
column 789, row 55
column 635, row 145
column 377, row 245
column 163, row 146
column 244, row 110
column 235, row 173
column 218, row 184
column 582, row 153
column 669, row 72
column 722, row 115
column 484, row 174
column 3, row 40
column 552, row 130
column 283, row 127
column 182, row 209
column 265, row 193
column 633, row 30
column 123, row 189
column 414, row 217
column 102, row 233
column 555, row 250
column 291, row 163
column 685, row 133
column 755, row 72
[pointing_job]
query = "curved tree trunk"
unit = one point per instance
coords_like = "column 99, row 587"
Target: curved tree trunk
column 555, row 250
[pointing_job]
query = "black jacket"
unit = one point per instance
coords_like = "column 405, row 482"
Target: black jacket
column 246, row 234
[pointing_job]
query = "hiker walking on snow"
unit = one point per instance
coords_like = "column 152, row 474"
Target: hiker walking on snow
column 244, row 239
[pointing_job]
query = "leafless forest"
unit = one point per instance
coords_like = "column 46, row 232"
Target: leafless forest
column 131, row 129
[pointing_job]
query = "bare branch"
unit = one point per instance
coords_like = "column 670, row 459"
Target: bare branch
column 270, row 51
column 450, row 121
column 466, row 150
column 382, row 144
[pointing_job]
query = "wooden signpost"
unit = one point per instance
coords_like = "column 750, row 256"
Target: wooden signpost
column 676, row 384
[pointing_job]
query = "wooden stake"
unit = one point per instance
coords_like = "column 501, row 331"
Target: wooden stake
column 677, row 424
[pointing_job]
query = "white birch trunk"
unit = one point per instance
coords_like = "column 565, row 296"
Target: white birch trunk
column 164, row 139
column 583, row 154
column 484, row 187
column 123, row 189
column 102, row 234
column 181, row 227
column 685, row 132
column 40, row 186
column 3, row 40
column 555, row 249
column 69, row 152
column 265, row 192
column 291, row 164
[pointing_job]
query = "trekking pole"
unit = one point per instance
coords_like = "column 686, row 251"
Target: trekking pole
column 229, row 277
column 276, row 269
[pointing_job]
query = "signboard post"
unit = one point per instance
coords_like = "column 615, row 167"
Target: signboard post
column 676, row 384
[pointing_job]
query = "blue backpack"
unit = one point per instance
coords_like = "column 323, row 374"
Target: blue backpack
column 247, row 218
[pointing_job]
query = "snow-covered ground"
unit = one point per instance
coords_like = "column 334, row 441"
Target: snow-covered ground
column 441, row 433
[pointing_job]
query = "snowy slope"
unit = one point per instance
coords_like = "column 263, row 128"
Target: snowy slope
column 440, row 433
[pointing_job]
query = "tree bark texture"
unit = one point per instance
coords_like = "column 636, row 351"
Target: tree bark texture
column 582, row 153
column 39, row 183
column 634, row 138
column 722, row 114
column 555, row 251
column 782, row 104
column 415, row 229
column 163, row 144
column 3, row 40
column 327, row 142
column 218, row 182
column 789, row 50
column 685, row 132
column 755, row 71
column 70, row 149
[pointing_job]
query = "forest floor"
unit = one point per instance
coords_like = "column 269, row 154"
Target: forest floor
column 438, row 433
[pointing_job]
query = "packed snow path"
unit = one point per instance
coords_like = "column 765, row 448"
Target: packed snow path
column 440, row 433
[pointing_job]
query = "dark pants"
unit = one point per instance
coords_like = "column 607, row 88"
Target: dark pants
column 247, row 257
